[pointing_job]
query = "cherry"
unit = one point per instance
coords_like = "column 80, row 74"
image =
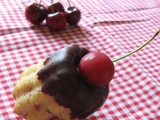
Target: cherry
column 97, row 69
column 56, row 21
column 55, row 7
column 73, row 15
column 35, row 13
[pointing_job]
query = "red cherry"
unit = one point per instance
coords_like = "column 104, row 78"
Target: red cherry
column 97, row 69
column 56, row 6
column 73, row 15
column 56, row 21
column 35, row 13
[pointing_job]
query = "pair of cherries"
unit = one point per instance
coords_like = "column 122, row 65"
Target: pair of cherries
column 55, row 15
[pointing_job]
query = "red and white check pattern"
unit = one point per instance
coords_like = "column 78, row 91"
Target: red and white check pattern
column 113, row 27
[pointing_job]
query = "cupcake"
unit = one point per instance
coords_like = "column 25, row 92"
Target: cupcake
column 55, row 89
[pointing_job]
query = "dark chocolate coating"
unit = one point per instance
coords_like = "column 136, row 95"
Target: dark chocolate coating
column 62, row 79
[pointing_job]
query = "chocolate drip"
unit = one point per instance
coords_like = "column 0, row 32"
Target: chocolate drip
column 62, row 79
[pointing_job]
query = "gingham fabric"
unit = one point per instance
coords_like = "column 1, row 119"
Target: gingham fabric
column 112, row 27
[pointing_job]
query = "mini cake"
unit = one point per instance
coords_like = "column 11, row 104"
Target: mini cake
column 55, row 89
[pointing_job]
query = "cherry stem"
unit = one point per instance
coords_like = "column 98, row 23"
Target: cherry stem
column 39, row 3
column 139, row 48
column 69, row 3
column 52, row 1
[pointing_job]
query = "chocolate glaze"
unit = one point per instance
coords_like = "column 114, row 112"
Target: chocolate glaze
column 62, row 79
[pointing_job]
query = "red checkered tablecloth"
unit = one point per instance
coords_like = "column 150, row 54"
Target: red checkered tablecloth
column 113, row 27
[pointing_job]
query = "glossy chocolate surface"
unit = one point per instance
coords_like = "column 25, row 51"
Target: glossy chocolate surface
column 61, row 79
